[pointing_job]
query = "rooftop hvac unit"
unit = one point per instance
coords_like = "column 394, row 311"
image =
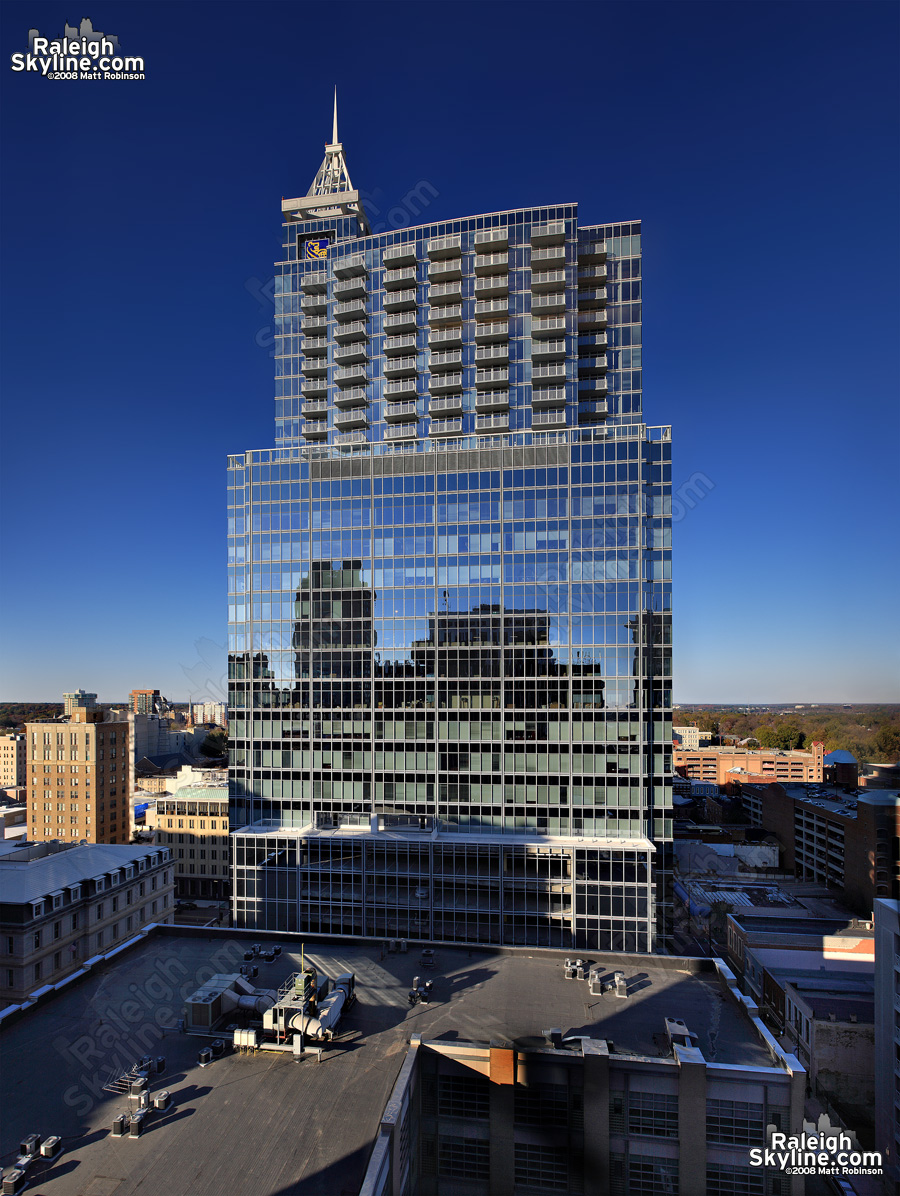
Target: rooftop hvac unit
column 119, row 1126
column 162, row 1100
column 51, row 1147
column 204, row 1058
column 13, row 1182
column 31, row 1144
column 136, row 1125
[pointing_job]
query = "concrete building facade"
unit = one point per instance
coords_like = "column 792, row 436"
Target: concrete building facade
column 193, row 824
column 13, row 761
column 63, row 903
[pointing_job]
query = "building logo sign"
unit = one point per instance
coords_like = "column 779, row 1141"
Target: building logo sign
column 80, row 54
column 315, row 250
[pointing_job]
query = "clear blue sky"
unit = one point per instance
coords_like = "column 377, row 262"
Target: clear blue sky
column 758, row 144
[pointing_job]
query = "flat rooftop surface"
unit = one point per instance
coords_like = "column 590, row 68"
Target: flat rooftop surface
column 269, row 1124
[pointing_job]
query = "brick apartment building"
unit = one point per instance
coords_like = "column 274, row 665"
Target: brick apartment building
column 724, row 764
column 12, row 761
column 78, row 784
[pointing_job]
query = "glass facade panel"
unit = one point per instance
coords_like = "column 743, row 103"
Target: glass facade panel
column 450, row 654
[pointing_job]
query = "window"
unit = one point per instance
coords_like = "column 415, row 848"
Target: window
column 653, row 1114
column 734, row 1123
column 57, row 929
column 37, row 939
column 542, row 1167
column 10, row 945
column 464, row 1158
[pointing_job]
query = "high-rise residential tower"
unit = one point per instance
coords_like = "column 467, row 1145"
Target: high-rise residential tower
column 450, row 625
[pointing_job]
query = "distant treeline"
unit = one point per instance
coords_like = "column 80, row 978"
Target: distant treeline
column 14, row 714
column 871, row 733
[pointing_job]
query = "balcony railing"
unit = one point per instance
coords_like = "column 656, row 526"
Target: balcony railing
column 444, row 315
column 395, row 412
column 445, row 268
column 357, row 396
column 492, row 377
column 592, row 319
column 314, row 282
column 589, row 387
column 445, row 427
column 492, row 355
column 401, row 321
column 314, row 304
column 400, row 255
column 351, row 438
column 353, row 417
column 548, row 396
column 542, row 304
column 596, row 339
column 490, row 307
column 548, row 280
column 399, row 344
column 399, row 278
column 314, row 386
column 348, row 375
column 396, row 300
column 315, row 367
column 315, row 408
column 404, row 431
column 548, row 371
column 444, row 247
column 441, row 382
column 351, row 288
column 492, row 263
column 591, row 297
column 548, row 418
column 314, row 323
column 355, row 331
column 548, row 325
column 403, row 386
column 549, row 234
column 315, row 429
column 491, row 238
column 588, row 274
column 548, row 349
column 486, row 333
column 445, row 336
column 489, row 423
column 587, row 365
column 396, row 367
column 355, row 263
column 592, row 251
column 555, row 253
column 354, row 309
column 445, row 361
column 315, row 344
column 492, row 400
column 445, row 406
column 445, row 291
column 491, row 284
column 357, row 351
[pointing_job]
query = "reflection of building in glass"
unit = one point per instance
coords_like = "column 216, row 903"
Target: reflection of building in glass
column 450, row 700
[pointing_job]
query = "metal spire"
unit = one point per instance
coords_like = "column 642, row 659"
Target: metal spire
column 333, row 176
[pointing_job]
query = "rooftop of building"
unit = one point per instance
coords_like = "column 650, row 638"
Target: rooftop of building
column 830, row 927
column 32, row 871
column 833, row 1001
column 732, row 750
column 286, row 1121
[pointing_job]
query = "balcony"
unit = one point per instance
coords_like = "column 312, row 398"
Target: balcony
column 316, row 429
column 353, row 417
column 445, row 427
column 492, row 377
column 555, row 254
column 347, row 267
column 445, row 336
column 492, row 238
column 592, row 319
column 487, row 333
column 397, row 279
column 596, row 340
column 491, row 400
column 400, row 389
column 404, row 431
column 547, row 280
column 591, row 297
column 399, row 344
column 444, row 247
column 357, row 351
column 351, row 438
column 314, row 323
column 357, row 397
column 452, row 359
column 399, row 367
column 549, row 234
column 400, row 255
column 352, row 288
column 591, row 274
column 592, row 251
column 440, row 383
column 445, row 269
column 445, row 315
column 314, row 386
column 491, row 423
column 399, row 300
column 357, row 331
column 402, row 321
column 315, row 344
column 548, row 419
column 592, row 386
column 492, row 308
column 548, row 325
column 548, row 396
column 548, row 350
column 492, row 263
column 351, row 375
column 592, row 365
column 445, row 292
column 353, row 309
column 314, row 305
column 492, row 355
column 315, row 281
column 492, row 284
column 448, row 406
column 543, row 305
column 396, row 412
column 315, row 409
column 549, row 373
column 315, row 367
column 588, row 414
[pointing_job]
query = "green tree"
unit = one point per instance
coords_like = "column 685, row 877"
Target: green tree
column 216, row 743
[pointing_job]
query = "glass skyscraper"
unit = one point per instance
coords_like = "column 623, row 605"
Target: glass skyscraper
column 450, row 620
